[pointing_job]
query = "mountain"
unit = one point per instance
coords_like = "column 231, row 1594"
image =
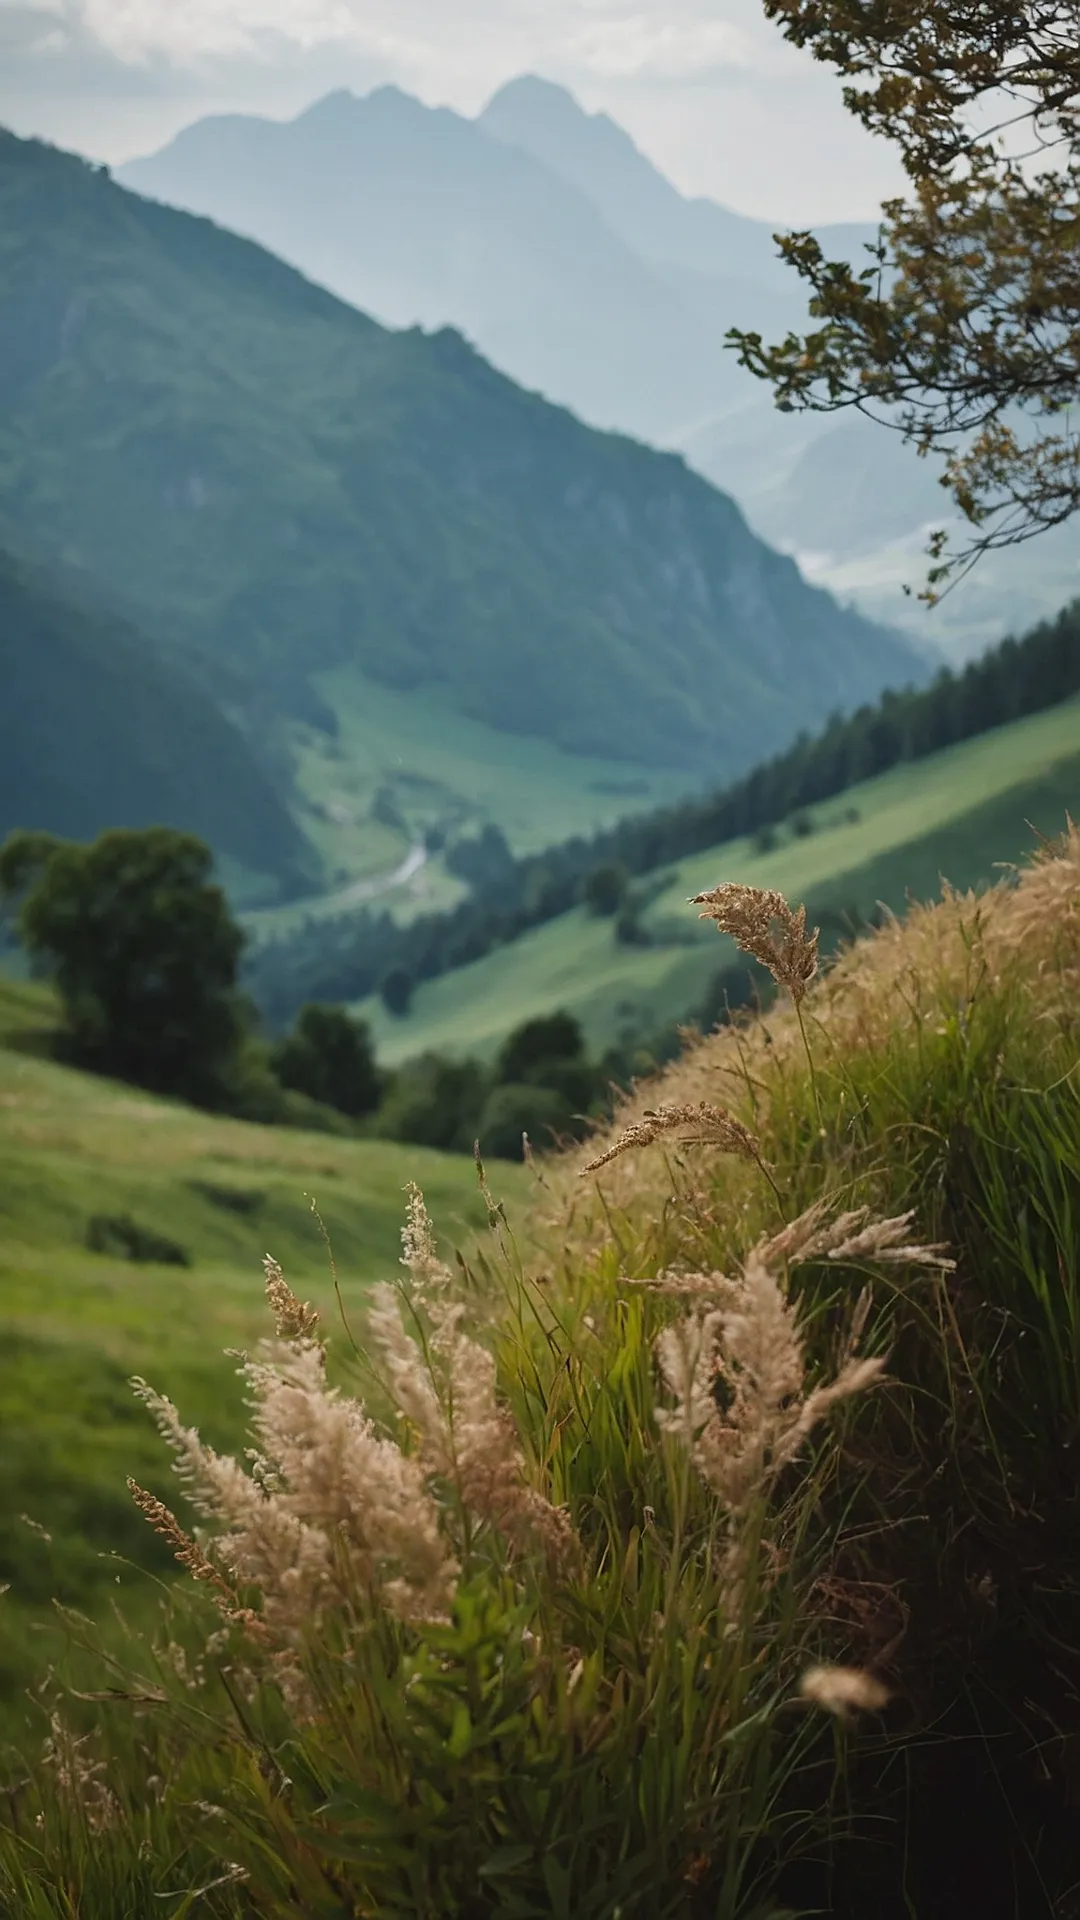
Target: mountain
column 591, row 152
column 98, row 730
column 552, row 241
column 275, row 486
column 418, row 216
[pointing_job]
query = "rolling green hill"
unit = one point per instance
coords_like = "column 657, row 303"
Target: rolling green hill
column 269, row 481
column 98, row 729
column 954, row 814
column 76, row 1324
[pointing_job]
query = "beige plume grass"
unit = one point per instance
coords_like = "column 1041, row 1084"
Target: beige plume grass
column 762, row 924
column 698, row 1123
column 293, row 1319
column 736, row 1372
column 444, row 1382
column 843, row 1691
column 332, row 1510
column 853, row 1235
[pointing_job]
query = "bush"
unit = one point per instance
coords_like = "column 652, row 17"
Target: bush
column 520, row 1108
column 604, row 889
column 396, row 991
column 122, row 1237
column 629, row 929
column 527, row 1051
column 435, row 1102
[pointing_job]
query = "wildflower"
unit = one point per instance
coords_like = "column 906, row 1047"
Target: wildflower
column 843, row 1691
column 762, row 924
column 711, row 1126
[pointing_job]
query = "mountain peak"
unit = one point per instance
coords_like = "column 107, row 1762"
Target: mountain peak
column 537, row 114
column 531, row 91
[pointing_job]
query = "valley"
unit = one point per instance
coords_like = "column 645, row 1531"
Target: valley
column 956, row 816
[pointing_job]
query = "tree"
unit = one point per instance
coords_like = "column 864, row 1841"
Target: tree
column 528, row 1050
column 604, row 889
column 329, row 1057
column 963, row 328
column 396, row 991
column 143, row 950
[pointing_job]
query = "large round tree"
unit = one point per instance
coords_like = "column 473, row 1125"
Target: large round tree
column 142, row 948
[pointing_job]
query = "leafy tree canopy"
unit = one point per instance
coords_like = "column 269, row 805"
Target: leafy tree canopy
column 963, row 329
column 143, row 949
column 329, row 1057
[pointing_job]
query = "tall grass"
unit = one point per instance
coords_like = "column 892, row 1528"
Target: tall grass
column 711, row 1552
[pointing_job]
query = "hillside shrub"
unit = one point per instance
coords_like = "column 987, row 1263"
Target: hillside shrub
column 604, row 889
column 122, row 1237
column 708, row 1553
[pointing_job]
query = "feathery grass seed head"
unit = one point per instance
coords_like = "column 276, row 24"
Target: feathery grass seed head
column 762, row 924
column 699, row 1123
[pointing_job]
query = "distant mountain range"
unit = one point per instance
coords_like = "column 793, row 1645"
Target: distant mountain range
column 419, row 216
column 273, row 486
column 548, row 238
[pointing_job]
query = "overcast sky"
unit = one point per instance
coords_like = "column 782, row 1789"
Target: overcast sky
column 708, row 88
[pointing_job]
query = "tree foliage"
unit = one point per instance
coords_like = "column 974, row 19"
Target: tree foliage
column 963, row 327
column 143, row 950
column 329, row 1057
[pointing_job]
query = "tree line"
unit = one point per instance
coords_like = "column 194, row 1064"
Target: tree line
column 359, row 954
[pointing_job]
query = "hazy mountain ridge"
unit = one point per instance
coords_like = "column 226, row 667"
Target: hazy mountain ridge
column 417, row 216
column 269, row 479
column 579, row 269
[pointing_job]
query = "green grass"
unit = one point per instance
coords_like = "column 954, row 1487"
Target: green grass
column 955, row 815
column 439, row 770
column 616, row 1732
column 76, row 1325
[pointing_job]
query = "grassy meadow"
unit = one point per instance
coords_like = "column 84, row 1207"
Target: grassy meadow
column 954, row 815
column 77, row 1324
column 712, row 1554
column 402, row 765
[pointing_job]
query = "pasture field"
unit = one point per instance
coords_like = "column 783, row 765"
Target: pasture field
column 402, row 765
column 77, row 1324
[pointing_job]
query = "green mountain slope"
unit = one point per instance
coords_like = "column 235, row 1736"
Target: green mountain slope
column 77, row 1324
column 270, row 481
column 955, row 815
column 97, row 730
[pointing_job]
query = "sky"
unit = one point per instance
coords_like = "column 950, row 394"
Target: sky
column 709, row 89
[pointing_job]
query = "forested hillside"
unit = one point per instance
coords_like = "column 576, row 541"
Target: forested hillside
column 98, row 729
column 274, row 484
